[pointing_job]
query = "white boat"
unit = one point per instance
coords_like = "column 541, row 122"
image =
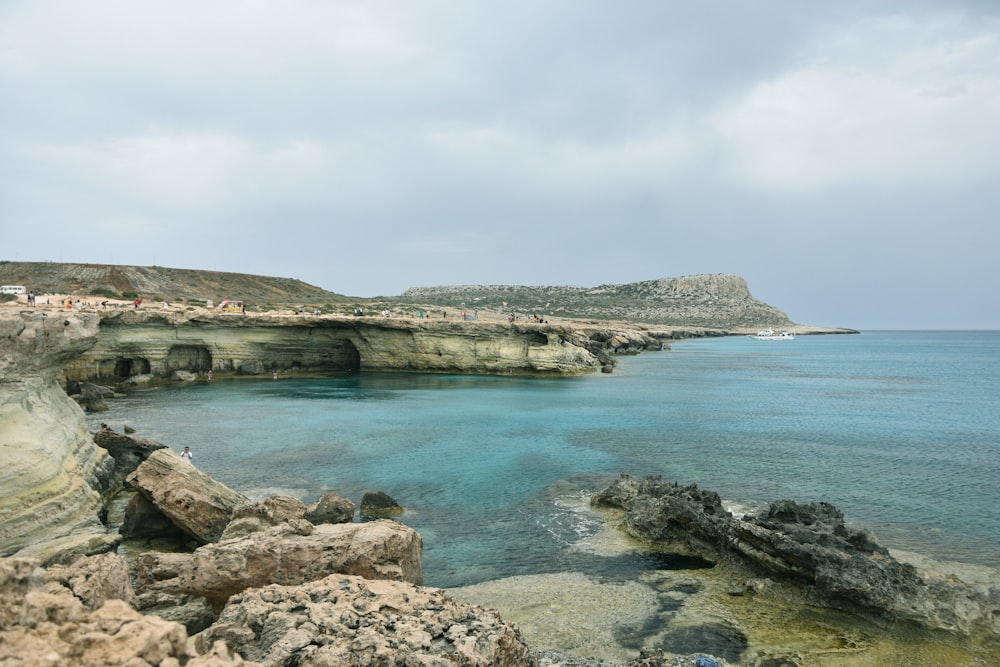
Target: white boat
column 771, row 334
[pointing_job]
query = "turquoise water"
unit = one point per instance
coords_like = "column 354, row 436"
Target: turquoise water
column 900, row 430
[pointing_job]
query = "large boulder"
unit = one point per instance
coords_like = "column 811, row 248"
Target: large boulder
column 289, row 554
column 346, row 621
column 192, row 500
column 128, row 451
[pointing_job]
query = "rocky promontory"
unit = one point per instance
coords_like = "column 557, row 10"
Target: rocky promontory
column 808, row 547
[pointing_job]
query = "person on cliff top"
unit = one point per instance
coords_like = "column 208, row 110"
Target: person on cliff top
column 187, row 455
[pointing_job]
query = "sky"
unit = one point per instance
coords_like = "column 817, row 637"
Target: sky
column 843, row 157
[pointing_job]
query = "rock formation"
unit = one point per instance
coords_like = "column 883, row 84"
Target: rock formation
column 192, row 500
column 128, row 451
column 808, row 545
column 81, row 616
column 344, row 621
column 53, row 474
column 137, row 344
column 289, row 554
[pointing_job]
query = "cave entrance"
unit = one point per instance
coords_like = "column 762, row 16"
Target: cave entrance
column 188, row 358
column 126, row 367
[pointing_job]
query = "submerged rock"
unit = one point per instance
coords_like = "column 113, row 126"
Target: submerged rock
column 379, row 504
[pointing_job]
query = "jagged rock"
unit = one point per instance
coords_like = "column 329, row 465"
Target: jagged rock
column 809, row 545
column 192, row 500
column 330, row 508
column 286, row 554
column 254, row 517
column 346, row 621
column 42, row 623
column 379, row 504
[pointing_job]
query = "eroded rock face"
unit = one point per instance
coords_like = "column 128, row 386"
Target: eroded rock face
column 292, row 553
column 52, row 474
column 192, row 500
column 133, row 344
column 807, row 544
column 345, row 621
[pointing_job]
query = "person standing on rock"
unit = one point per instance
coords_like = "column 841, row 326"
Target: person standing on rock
column 187, row 455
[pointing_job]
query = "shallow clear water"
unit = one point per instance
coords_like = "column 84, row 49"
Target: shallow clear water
column 900, row 430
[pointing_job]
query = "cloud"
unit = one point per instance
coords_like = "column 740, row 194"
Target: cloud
column 892, row 102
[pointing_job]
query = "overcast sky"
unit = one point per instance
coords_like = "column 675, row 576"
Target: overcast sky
column 843, row 157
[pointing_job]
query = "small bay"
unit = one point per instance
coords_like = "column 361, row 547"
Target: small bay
column 900, row 430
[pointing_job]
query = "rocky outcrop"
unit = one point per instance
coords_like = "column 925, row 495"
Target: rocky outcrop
column 344, row 621
column 808, row 545
column 195, row 502
column 289, row 554
column 52, row 475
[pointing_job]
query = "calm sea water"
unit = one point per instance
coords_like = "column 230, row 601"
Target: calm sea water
column 900, row 430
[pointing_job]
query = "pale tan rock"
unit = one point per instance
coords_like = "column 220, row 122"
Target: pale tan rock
column 44, row 624
column 254, row 517
column 96, row 579
column 158, row 344
column 193, row 501
column 52, row 472
column 283, row 555
column 346, row 621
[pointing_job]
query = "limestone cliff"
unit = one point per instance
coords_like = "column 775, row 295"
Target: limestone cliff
column 134, row 343
column 52, row 470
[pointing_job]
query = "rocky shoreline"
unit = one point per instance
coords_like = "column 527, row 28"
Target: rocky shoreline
column 277, row 582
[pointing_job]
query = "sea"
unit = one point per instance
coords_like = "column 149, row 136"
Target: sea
column 900, row 430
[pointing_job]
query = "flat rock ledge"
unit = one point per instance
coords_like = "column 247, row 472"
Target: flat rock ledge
column 808, row 546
